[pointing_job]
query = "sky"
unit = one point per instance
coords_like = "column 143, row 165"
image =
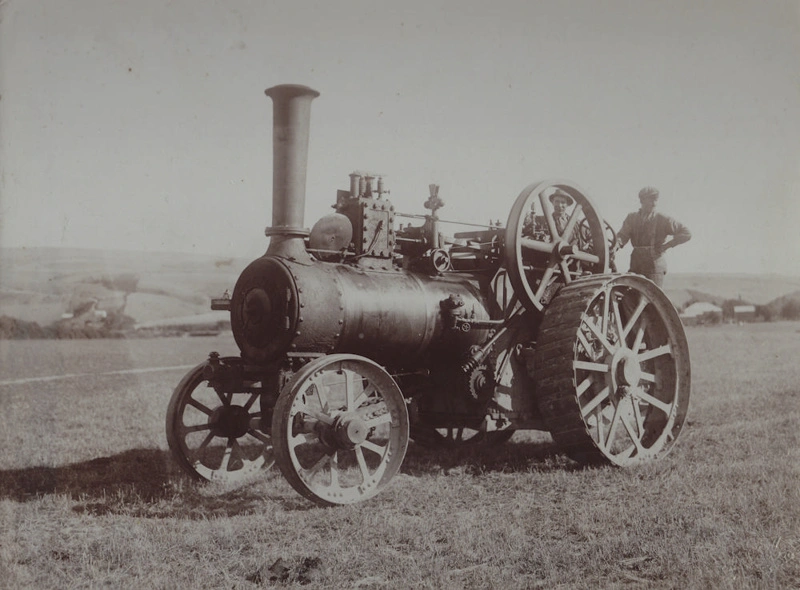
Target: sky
column 144, row 125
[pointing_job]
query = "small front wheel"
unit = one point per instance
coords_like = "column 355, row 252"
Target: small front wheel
column 216, row 436
column 340, row 428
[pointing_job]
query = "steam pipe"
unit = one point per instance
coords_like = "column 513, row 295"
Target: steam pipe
column 290, row 131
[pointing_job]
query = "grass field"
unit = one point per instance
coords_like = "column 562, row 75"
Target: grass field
column 90, row 498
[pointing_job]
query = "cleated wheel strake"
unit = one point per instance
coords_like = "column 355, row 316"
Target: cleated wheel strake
column 612, row 370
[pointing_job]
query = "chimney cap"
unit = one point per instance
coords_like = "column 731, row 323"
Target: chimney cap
column 290, row 91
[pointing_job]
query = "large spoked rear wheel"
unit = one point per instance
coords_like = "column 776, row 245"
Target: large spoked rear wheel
column 340, row 428
column 216, row 436
column 612, row 370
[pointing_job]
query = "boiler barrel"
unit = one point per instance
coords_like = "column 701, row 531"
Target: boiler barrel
column 392, row 317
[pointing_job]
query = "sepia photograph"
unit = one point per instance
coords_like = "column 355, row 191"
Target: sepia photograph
column 423, row 294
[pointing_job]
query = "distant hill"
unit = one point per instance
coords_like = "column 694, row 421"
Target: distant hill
column 159, row 289
column 42, row 284
column 716, row 288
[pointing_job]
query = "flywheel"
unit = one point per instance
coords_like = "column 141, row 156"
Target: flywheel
column 612, row 370
column 544, row 250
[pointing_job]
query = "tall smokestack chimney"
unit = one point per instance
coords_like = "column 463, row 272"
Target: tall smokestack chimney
column 290, row 130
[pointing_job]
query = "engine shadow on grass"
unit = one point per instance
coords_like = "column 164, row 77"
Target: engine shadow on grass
column 147, row 483
column 141, row 482
column 509, row 457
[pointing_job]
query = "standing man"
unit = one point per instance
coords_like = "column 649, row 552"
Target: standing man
column 647, row 231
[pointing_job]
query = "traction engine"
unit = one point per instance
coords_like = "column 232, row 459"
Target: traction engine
column 361, row 334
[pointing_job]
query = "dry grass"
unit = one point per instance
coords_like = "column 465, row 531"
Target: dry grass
column 89, row 497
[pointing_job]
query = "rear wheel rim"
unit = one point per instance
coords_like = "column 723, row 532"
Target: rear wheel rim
column 621, row 392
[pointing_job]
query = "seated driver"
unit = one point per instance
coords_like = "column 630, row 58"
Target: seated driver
column 535, row 226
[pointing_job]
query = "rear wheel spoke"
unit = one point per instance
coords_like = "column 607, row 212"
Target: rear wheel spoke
column 600, row 336
column 655, row 402
column 635, row 315
column 596, row 401
column 633, row 435
column 654, row 353
column 590, row 366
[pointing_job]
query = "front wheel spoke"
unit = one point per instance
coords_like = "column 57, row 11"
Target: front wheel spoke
column 364, row 395
column 654, row 401
column 251, row 401
column 316, row 467
column 606, row 309
column 362, row 464
column 335, row 470
column 196, row 428
column 226, row 457
column 596, row 400
column 260, row 436
column 202, row 407
column 317, row 415
column 371, row 446
column 377, row 421
column 321, row 395
column 206, row 441
column 224, row 397
column 655, row 352
column 303, row 439
column 349, row 391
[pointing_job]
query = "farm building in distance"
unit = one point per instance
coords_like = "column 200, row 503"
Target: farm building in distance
column 701, row 312
column 744, row 313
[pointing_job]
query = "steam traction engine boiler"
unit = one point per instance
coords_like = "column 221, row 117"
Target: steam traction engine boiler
column 360, row 334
